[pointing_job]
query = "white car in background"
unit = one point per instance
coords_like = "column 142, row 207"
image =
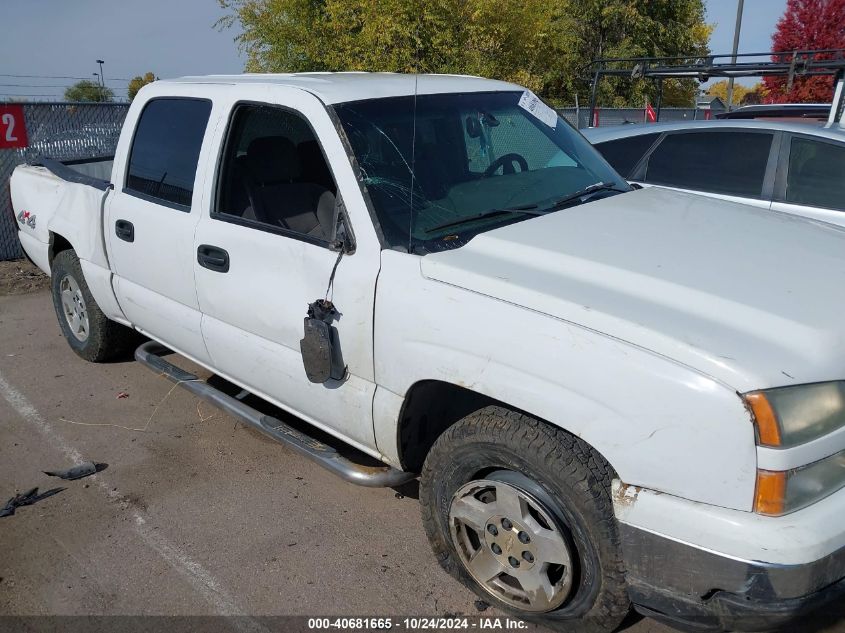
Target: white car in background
column 793, row 167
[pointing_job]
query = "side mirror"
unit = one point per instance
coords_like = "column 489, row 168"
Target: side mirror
column 320, row 345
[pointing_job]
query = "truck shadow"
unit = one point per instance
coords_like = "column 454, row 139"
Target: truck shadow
column 266, row 408
column 410, row 490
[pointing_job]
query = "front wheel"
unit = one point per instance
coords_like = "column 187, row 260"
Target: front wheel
column 87, row 330
column 520, row 512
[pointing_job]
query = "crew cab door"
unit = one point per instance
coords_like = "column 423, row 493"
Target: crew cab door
column 263, row 254
column 151, row 218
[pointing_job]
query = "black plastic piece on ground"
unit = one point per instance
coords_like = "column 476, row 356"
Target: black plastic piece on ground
column 26, row 499
column 77, row 472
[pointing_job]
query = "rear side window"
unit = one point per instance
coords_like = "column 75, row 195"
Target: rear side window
column 732, row 163
column 816, row 174
column 623, row 154
column 166, row 148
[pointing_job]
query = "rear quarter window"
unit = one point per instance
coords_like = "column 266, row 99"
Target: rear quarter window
column 166, row 148
column 623, row 154
column 816, row 174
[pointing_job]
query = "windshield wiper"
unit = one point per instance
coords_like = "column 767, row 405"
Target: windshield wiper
column 492, row 213
column 586, row 191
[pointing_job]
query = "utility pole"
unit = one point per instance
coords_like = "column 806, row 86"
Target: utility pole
column 739, row 7
column 103, row 78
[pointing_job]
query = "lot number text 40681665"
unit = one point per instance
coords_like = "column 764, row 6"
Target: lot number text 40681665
column 416, row 624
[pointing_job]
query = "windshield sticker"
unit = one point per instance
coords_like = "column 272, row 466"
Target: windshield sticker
column 531, row 102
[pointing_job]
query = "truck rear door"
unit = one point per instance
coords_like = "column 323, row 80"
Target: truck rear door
column 263, row 255
column 151, row 220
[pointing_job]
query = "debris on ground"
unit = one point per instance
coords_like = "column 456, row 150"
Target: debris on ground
column 122, row 395
column 77, row 472
column 20, row 277
column 481, row 605
column 26, row 499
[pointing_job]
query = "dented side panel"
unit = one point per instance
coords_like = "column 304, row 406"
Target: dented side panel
column 45, row 204
column 48, row 206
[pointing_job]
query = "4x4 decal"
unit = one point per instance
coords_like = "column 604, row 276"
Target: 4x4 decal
column 25, row 217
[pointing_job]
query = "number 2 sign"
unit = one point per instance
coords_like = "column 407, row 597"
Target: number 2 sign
column 12, row 127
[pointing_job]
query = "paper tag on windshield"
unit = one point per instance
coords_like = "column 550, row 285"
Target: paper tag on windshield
column 531, row 102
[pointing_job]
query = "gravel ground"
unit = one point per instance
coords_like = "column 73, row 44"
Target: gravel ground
column 19, row 277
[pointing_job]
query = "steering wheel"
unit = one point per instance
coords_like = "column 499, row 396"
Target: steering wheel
column 506, row 162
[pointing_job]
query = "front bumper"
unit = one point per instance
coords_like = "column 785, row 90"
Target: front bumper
column 697, row 589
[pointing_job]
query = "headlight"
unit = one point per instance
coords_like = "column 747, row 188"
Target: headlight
column 783, row 492
column 789, row 416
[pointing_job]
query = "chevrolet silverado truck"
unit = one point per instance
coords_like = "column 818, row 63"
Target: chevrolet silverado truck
column 613, row 397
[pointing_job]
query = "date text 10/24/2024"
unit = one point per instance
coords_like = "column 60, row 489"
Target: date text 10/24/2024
column 416, row 624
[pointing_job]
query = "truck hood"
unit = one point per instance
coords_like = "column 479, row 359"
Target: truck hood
column 752, row 298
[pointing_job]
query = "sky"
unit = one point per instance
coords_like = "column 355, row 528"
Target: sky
column 170, row 38
column 759, row 18
column 173, row 38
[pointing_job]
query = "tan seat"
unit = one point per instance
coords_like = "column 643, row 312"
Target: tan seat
column 272, row 170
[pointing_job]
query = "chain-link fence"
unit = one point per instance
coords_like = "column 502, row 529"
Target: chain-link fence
column 580, row 118
column 64, row 131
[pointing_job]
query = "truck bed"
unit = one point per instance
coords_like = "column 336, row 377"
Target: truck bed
column 95, row 172
column 50, row 196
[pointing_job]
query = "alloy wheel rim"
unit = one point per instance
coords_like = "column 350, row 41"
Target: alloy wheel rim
column 74, row 308
column 511, row 545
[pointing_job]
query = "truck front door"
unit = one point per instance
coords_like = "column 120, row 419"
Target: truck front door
column 264, row 253
column 151, row 219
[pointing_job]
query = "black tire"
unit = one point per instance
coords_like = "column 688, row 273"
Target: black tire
column 104, row 339
column 566, row 475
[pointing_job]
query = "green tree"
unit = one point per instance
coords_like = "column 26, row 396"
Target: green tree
column 633, row 28
column 88, row 91
column 720, row 89
column 743, row 95
column 543, row 45
column 138, row 82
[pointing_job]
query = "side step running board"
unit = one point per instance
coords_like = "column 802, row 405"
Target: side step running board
column 150, row 354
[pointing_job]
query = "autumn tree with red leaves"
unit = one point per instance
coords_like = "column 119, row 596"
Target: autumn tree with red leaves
column 807, row 25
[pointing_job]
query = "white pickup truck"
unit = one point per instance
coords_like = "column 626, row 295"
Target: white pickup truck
column 613, row 397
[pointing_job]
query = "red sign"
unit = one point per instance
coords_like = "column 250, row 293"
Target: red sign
column 650, row 114
column 12, row 127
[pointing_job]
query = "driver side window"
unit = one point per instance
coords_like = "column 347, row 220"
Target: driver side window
column 274, row 175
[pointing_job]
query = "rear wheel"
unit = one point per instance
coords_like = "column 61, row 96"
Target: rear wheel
column 520, row 512
column 87, row 330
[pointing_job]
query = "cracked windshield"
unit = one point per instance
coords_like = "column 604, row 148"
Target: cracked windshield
column 448, row 167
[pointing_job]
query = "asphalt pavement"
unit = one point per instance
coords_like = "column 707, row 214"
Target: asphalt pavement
column 195, row 515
